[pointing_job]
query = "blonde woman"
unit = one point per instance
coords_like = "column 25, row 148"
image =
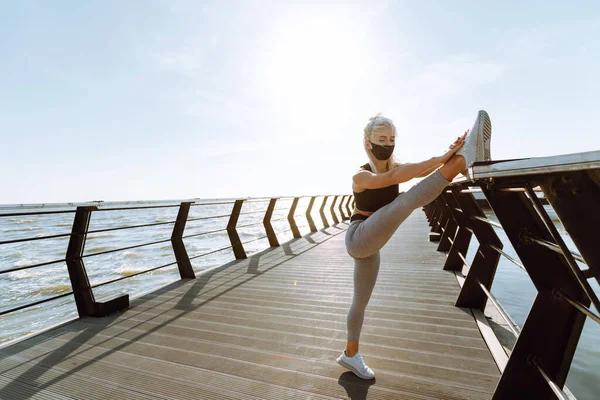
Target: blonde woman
column 380, row 209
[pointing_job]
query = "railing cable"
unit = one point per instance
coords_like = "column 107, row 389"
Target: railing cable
column 488, row 221
column 517, row 263
column 554, row 247
column 36, row 213
column 120, row 228
column 204, row 218
column 132, row 275
column 563, row 296
column 35, row 303
column 125, row 248
column 505, row 316
column 6, row 271
column 203, row 233
column 557, row 391
column 211, row 252
column 35, row 238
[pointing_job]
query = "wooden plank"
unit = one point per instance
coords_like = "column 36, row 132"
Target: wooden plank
column 15, row 390
column 270, row 327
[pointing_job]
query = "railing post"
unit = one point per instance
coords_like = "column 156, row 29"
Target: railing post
column 325, row 223
column 234, row 238
column 553, row 327
column 291, row 219
column 311, row 223
column 450, row 226
column 574, row 197
column 350, row 197
column 427, row 211
column 439, row 217
column 341, row 209
column 332, row 209
column 273, row 242
column 432, row 211
column 183, row 260
column 84, row 297
column 434, row 234
column 87, row 306
column 485, row 262
column 463, row 235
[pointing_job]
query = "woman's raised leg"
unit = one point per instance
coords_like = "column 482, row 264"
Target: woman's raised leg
column 369, row 236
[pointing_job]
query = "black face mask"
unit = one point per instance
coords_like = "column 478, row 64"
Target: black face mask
column 382, row 152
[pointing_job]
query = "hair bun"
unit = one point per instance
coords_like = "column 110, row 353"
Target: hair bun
column 377, row 121
column 376, row 116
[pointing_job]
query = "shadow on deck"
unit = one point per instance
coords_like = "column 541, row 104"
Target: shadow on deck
column 270, row 327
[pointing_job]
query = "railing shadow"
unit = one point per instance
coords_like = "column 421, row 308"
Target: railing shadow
column 234, row 275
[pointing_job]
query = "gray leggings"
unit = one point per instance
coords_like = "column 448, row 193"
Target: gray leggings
column 365, row 238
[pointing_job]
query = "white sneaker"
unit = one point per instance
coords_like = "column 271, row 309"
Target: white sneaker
column 485, row 126
column 356, row 365
column 477, row 143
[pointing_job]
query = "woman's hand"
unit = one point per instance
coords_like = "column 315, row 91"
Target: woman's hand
column 454, row 147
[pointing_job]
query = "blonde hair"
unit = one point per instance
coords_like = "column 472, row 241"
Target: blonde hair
column 376, row 122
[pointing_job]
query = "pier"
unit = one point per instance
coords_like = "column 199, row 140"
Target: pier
column 269, row 325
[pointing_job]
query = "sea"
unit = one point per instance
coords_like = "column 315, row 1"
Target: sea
column 512, row 286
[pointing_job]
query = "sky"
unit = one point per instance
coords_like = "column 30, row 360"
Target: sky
column 149, row 100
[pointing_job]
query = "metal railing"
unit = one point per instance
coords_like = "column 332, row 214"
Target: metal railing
column 545, row 346
column 83, row 291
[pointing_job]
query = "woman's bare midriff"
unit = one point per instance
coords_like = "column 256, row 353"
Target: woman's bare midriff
column 365, row 213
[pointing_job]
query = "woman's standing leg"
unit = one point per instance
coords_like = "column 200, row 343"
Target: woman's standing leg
column 365, row 277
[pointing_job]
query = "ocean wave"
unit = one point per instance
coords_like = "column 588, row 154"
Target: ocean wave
column 42, row 234
column 23, row 229
column 25, row 273
column 128, row 270
column 99, row 236
column 131, row 254
column 98, row 249
column 65, row 224
column 51, row 290
column 24, row 262
column 26, row 221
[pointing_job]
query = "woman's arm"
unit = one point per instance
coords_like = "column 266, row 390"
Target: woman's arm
column 429, row 171
column 403, row 173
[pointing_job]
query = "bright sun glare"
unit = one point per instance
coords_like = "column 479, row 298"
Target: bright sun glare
column 313, row 61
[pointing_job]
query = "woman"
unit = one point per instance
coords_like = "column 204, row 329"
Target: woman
column 380, row 210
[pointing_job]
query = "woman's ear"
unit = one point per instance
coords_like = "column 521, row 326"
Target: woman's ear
column 368, row 144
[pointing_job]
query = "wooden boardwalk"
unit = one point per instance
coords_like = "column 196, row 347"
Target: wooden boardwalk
column 270, row 327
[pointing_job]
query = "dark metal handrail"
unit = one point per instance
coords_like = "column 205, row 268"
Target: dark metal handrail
column 571, row 185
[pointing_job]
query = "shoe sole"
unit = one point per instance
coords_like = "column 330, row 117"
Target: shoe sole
column 485, row 132
column 351, row 368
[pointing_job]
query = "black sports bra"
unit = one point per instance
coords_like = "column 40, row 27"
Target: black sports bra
column 372, row 200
